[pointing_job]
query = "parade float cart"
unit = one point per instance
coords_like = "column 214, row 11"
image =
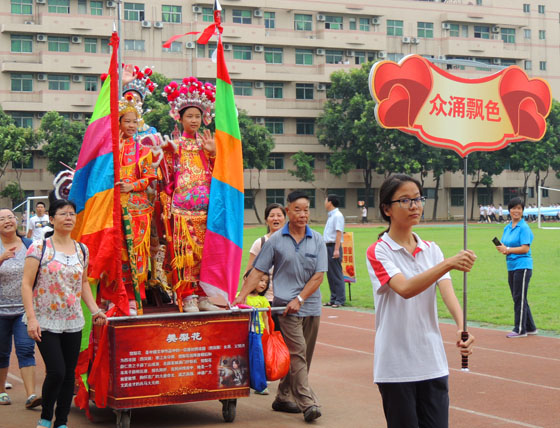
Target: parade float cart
column 174, row 358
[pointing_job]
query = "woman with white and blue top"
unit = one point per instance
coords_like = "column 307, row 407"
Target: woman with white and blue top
column 516, row 245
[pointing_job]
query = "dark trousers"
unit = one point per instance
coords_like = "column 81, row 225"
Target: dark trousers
column 519, row 286
column 423, row 404
column 335, row 277
column 60, row 352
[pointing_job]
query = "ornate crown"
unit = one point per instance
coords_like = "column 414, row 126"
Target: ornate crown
column 129, row 104
column 191, row 93
column 142, row 83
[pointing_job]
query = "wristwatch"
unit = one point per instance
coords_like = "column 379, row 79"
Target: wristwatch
column 300, row 299
column 507, row 250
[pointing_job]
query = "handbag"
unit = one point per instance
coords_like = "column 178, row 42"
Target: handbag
column 257, row 374
column 276, row 353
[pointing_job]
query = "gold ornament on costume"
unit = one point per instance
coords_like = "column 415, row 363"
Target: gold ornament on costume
column 129, row 104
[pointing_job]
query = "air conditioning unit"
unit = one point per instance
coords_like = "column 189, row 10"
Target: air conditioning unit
column 415, row 40
column 319, row 51
column 381, row 54
column 158, row 24
column 77, row 78
column 496, row 29
column 441, row 57
column 196, row 9
column 190, row 45
column 350, row 53
column 321, row 86
column 321, row 18
column 111, row 4
column 41, row 77
column 228, row 46
column 445, row 26
column 41, row 1
column 77, row 116
column 76, row 39
column 41, row 37
column 259, row 48
column 259, row 85
column 146, row 24
column 375, row 21
column 39, row 114
column 496, row 61
column 29, row 22
column 406, row 39
column 257, row 13
column 260, row 120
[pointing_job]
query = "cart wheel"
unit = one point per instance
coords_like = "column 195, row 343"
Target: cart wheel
column 123, row 418
column 228, row 410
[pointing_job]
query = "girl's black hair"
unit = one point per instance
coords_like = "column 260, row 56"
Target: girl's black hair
column 262, row 293
column 269, row 208
column 387, row 192
column 183, row 110
column 54, row 207
column 513, row 202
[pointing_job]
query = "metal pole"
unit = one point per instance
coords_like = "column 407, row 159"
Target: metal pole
column 465, row 334
column 119, row 52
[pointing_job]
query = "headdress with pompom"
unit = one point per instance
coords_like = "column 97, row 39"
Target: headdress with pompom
column 191, row 93
column 141, row 84
column 127, row 104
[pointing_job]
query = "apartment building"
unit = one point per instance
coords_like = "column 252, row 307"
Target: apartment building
column 280, row 55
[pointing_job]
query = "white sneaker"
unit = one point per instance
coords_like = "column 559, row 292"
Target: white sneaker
column 190, row 304
column 132, row 308
column 8, row 385
column 204, row 304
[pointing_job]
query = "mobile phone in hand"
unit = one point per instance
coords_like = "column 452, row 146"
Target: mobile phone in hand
column 496, row 242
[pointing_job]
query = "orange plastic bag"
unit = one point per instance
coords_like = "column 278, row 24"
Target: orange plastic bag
column 276, row 354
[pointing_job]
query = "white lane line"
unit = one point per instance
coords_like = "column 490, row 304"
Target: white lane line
column 472, row 412
column 370, row 330
column 345, row 349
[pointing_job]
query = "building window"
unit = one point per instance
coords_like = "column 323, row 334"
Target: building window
column 276, row 161
column 527, row 33
column 22, row 7
column 364, row 24
column 59, row 82
column 394, row 27
column 359, row 57
column 341, row 193
column 303, row 22
column 59, row 6
column 429, row 192
column 242, row 16
column 82, row 7
column 542, row 65
column 352, row 24
column 310, row 193
column 59, row 44
column 243, row 89
column 510, row 193
column 90, row 45
column 171, row 14
column 304, row 57
column 541, row 8
column 208, row 14
column 481, row 32
column 333, row 57
column 305, row 126
column 333, row 22
column 544, row 193
column 244, row 53
column 304, row 91
column 273, row 55
column 248, row 200
column 275, row 196
column 178, row 47
column 105, row 48
column 508, row 35
column 274, row 125
column 134, row 45
column 96, row 7
column 457, row 197
column 426, row 30
column 530, row 192
column 395, row 57
column 542, row 34
column 274, row 90
column 22, row 43
column 211, row 48
column 528, row 65
column 23, row 120
column 22, row 82
column 526, row 7
column 484, row 196
column 270, row 20
column 29, row 163
column 134, row 11
column 370, row 203
column 91, row 83
column 454, row 30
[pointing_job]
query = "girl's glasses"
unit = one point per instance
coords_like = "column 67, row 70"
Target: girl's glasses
column 407, row 202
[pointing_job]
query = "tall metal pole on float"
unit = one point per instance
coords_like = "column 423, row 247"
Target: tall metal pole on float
column 119, row 52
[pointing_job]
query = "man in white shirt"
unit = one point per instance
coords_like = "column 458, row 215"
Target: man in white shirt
column 333, row 239
column 39, row 223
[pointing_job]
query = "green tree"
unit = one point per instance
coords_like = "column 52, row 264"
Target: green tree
column 13, row 192
column 303, row 170
column 257, row 145
column 156, row 107
column 63, row 141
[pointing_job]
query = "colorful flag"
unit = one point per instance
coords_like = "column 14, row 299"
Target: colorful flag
column 221, row 257
column 97, row 200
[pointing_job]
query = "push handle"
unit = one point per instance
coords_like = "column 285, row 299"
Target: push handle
column 464, row 358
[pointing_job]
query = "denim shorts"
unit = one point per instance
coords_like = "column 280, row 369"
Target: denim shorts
column 25, row 346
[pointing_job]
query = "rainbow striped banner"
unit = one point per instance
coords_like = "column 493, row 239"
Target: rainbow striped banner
column 221, row 256
column 97, row 200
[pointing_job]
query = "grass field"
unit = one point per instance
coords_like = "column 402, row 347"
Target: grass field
column 489, row 298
